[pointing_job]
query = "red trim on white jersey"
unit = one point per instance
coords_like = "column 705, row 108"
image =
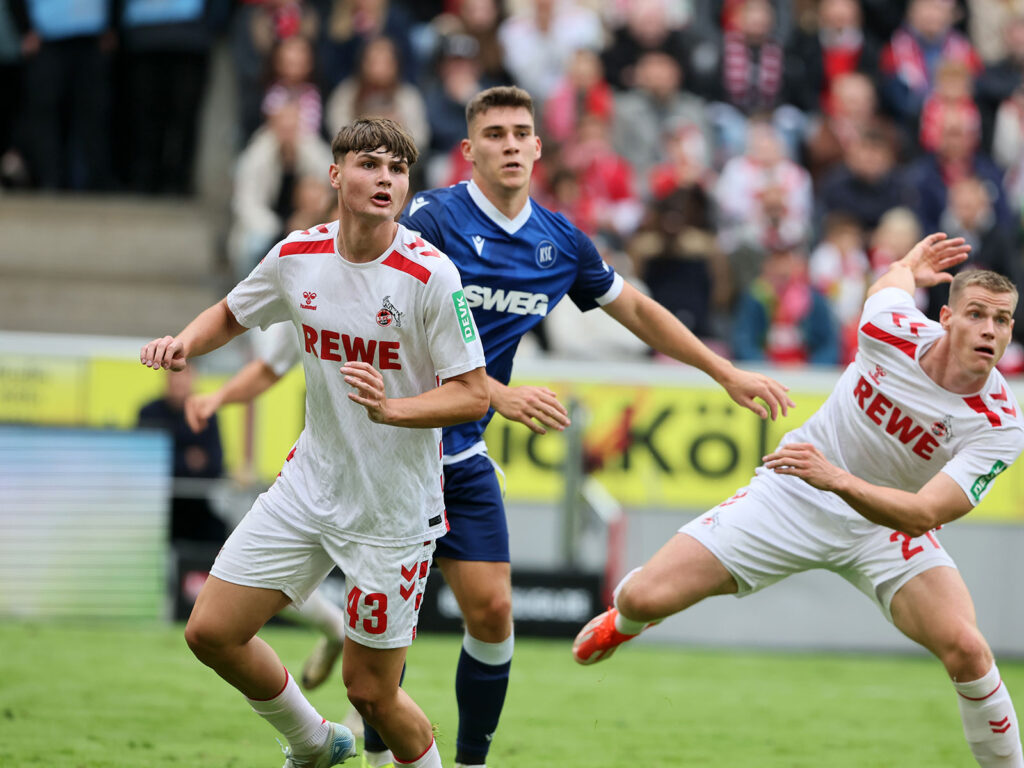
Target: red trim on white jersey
column 307, row 246
column 908, row 348
column 977, row 404
column 395, row 260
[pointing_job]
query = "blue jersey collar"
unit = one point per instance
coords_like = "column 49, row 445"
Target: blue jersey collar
column 500, row 219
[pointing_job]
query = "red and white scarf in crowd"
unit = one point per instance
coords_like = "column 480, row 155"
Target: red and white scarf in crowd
column 752, row 77
column 904, row 58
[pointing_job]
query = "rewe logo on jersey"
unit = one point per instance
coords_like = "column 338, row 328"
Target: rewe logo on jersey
column 324, row 344
column 309, row 296
column 389, row 314
column 513, row 302
column 478, row 243
column 882, row 412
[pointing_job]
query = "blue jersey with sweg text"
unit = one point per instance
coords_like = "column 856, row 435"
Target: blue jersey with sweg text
column 513, row 272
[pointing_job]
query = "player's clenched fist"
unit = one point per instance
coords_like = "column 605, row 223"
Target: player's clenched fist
column 167, row 353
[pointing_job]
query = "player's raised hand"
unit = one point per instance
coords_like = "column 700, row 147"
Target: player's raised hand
column 199, row 409
column 536, row 407
column 805, row 461
column 369, row 385
column 930, row 258
column 751, row 389
column 167, row 353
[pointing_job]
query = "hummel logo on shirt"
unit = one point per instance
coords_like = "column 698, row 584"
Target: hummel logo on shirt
column 417, row 203
column 478, row 243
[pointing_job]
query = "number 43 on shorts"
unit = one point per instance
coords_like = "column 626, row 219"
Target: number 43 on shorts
column 377, row 604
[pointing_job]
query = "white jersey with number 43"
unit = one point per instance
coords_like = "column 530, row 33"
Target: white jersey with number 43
column 887, row 422
column 405, row 314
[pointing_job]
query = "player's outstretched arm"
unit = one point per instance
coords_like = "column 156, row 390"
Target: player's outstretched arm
column 459, row 398
column 255, row 378
column 213, row 328
column 925, row 264
column 536, row 407
column 939, row 501
column 661, row 330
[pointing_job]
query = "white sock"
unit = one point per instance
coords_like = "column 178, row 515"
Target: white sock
column 429, row 759
column 323, row 614
column 493, row 654
column 377, row 759
column 990, row 723
column 624, row 625
column 292, row 714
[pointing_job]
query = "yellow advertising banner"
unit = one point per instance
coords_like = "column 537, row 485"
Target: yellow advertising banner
column 654, row 438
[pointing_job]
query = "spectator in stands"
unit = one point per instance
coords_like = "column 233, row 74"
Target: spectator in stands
column 646, row 28
column 12, row 164
column 762, row 198
column 67, row 48
column 376, row 89
column 481, row 20
column 605, row 178
column 350, row 26
column 277, row 156
column 293, row 79
column 752, row 80
column 988, row 24
column 970, row 214
column 837, row 47
column 651, row 109
column 953, row 91
column 196, row 455
column 582, row 91
column 1008, row 149
column 539, row 42
column 998, row 83
column 839, row 268
column 850, row 110
column 868, row 183
column 166, row 51
column 956, row 157
column 258, row 28
column 911, row 58
column 459, row 79
column 674, row 250
column 897, row 232
column 783, row 319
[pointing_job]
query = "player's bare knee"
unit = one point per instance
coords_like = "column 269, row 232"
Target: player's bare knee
column 491, row 620
column 204, row 640
column 639, row 604
column 370, row 702
column 967, row 655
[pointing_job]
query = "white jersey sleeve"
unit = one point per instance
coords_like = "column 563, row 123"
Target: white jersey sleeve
column 258, row 300
column 277, row 347
column 454, row 340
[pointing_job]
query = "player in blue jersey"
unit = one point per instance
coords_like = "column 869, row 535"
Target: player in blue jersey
column 517, row 260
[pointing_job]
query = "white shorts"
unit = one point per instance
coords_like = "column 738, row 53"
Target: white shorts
column 383, row 585
column 762, row 535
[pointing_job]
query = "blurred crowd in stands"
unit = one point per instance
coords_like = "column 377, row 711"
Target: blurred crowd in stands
column 753, row 164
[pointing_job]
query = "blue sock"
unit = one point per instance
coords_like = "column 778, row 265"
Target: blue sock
column 372, row 742
column 480, row 685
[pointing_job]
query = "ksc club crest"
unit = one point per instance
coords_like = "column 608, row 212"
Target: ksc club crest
column 389, row 314
column 546, row 254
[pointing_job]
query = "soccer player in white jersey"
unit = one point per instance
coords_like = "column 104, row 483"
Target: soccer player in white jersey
column 276, row 353
column 910, row 439
column 390, row 354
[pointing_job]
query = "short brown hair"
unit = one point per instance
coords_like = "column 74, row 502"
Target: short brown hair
column 983, row 278
column 369, row 134
column 499, row 96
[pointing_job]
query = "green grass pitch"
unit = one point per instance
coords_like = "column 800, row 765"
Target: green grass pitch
column 113, row 695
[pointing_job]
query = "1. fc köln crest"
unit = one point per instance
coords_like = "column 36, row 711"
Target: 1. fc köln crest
column 389, row 314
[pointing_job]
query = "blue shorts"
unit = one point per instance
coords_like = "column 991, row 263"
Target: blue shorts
column 476, row 515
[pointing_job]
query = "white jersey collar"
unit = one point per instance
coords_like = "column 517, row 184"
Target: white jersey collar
column 490, row 211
